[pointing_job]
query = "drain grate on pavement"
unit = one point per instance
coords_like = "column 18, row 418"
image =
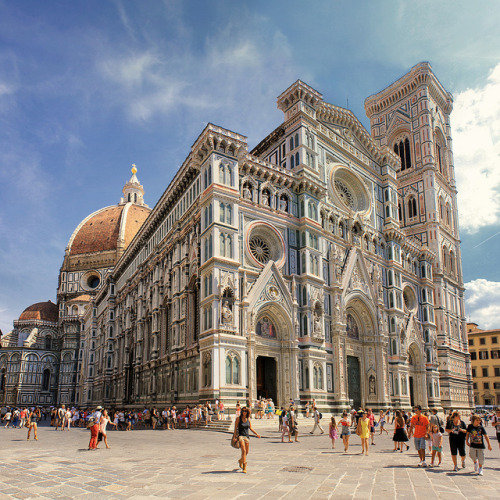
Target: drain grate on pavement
column 296, row 468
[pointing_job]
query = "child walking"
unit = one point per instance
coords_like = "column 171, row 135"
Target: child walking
column 436, row 439
column 333, row 431
column 476, row 434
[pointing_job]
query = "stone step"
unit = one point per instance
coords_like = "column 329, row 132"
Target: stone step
column 218, row 426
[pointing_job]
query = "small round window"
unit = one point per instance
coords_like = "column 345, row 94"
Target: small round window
column 91, row 280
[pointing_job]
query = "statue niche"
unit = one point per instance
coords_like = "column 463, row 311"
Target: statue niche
column 227, row 307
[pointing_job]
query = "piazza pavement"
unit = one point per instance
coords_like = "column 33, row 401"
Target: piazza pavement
column 198, row 464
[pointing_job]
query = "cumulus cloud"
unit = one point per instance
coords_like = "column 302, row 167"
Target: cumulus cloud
column 476, row 144
column 482, row 303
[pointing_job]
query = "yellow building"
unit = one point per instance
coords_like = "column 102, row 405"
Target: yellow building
column 484, row 348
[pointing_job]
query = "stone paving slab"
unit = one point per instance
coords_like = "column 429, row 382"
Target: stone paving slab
column 198, row 465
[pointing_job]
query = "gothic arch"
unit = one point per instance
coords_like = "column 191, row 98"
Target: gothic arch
column 363, row 311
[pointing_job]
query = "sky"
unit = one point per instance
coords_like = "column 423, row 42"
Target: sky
column 89, row 87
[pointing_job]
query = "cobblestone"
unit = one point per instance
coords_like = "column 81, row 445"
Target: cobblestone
column 199, row 465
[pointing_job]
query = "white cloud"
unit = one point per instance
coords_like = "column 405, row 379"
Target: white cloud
column 230, row 75
column 6, row 89
column 482, row 303
column 476, row 144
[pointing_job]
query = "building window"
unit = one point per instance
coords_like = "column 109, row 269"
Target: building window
column 497, row 372
column 46, row 380
column 318, row 377
column 473, row 355
column 207, row 370
column 232, row 369
column 402, row 149
column 485, row 372
column 473, row 371
column 483, row 355
column 471, row 341
column 482, row 341
column 412, row 207
column 474, row 385
column 486, row 385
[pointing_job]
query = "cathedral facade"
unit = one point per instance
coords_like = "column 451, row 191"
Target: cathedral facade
column 324, row 263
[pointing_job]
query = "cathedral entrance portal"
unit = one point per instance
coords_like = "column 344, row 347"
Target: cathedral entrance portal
column 267, row 378
column 354, row 381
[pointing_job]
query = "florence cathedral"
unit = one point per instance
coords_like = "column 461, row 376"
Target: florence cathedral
column 323, row 264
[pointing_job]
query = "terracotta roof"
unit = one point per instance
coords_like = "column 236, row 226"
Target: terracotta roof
column 80, row 298
column 45, row 311
column 101, row 230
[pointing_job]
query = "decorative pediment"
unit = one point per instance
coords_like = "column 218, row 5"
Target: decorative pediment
column 270, row 287
column 357, row 275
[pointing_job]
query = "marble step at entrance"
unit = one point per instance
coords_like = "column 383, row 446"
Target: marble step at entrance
column 218, row 426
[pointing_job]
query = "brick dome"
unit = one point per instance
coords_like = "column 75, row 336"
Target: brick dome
column 44, row 311
column 107, row 229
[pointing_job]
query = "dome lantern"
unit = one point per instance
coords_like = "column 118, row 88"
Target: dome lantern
column 133, row 192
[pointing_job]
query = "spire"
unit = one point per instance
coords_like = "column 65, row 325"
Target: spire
column 133, row 192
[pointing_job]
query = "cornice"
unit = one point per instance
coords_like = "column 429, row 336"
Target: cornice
column 420, row 75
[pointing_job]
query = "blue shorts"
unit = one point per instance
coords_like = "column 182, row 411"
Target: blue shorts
column 437, row 448
column 419, row 443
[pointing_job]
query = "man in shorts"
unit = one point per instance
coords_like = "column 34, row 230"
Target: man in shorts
column 476, row 434
column 495, row 422
column 419, row 425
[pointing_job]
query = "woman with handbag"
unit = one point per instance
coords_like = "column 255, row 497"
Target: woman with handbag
column 241, row 436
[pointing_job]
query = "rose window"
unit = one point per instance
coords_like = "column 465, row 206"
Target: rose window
column 260, row 249
column 344, row 193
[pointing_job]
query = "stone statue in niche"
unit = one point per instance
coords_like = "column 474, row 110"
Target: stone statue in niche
column 247, row 193
column 283, row 204
column 371, row 385
column 265, row 198
column 317, row 321
column 227, row 314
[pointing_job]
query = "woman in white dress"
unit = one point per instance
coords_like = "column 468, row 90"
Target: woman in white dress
column 103, row 422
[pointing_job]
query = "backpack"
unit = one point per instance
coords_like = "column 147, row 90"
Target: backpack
column 91, row 422
column 320, row 415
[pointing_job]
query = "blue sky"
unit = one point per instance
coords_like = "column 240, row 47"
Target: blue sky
column 89, row 87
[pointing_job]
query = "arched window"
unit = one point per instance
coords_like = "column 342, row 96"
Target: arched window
column 46, row 380
column 402, row 149
column 448, row 214
column 297, row 159
column 207, row 370
column 48, row 342
column 412, row 207
column 232, row 369
column 129, row 198
column 135, row 197
column 400, row 212
column 318, row 377
column 292, row 161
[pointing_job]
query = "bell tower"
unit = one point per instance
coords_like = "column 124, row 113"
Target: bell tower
column 412, row 118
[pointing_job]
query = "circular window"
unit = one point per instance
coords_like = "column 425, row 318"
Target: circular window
column 91, row 280
column 409, row 298
column 260, row 249
column 264, row 244
column 344, row 194
column 349, row 190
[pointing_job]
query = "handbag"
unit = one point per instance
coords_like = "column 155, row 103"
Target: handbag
column 235, row 441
